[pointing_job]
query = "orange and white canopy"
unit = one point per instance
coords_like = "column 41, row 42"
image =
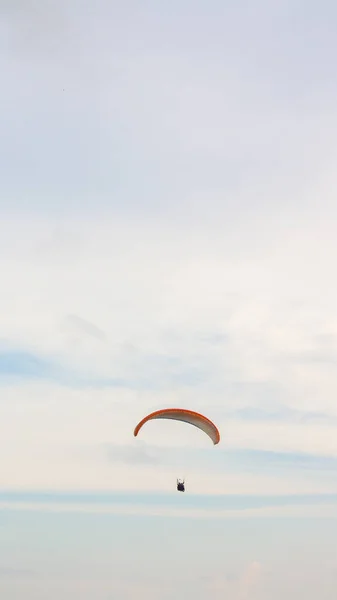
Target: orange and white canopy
column 188, row 416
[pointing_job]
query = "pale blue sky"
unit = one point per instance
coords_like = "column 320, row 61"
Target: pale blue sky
column 108, row 556
column 167, row 237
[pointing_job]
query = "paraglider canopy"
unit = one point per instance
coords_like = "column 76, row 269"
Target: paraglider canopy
column 188, row 416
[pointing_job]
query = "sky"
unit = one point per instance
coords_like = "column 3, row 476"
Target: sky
column 167, row 238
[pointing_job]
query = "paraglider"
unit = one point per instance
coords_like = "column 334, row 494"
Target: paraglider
column 187, row 416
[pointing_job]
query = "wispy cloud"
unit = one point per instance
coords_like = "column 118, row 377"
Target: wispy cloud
column 16, row 572
column 191, row 505
column 227, row 459
column 150, row 372
column 279, row 413
column 18, row 366
column 80, row 325
column 23, row 364
column 140, row 454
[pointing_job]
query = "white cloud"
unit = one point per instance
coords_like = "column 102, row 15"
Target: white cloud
column 250, row 579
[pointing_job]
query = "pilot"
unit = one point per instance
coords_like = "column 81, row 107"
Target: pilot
column 180, row 486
